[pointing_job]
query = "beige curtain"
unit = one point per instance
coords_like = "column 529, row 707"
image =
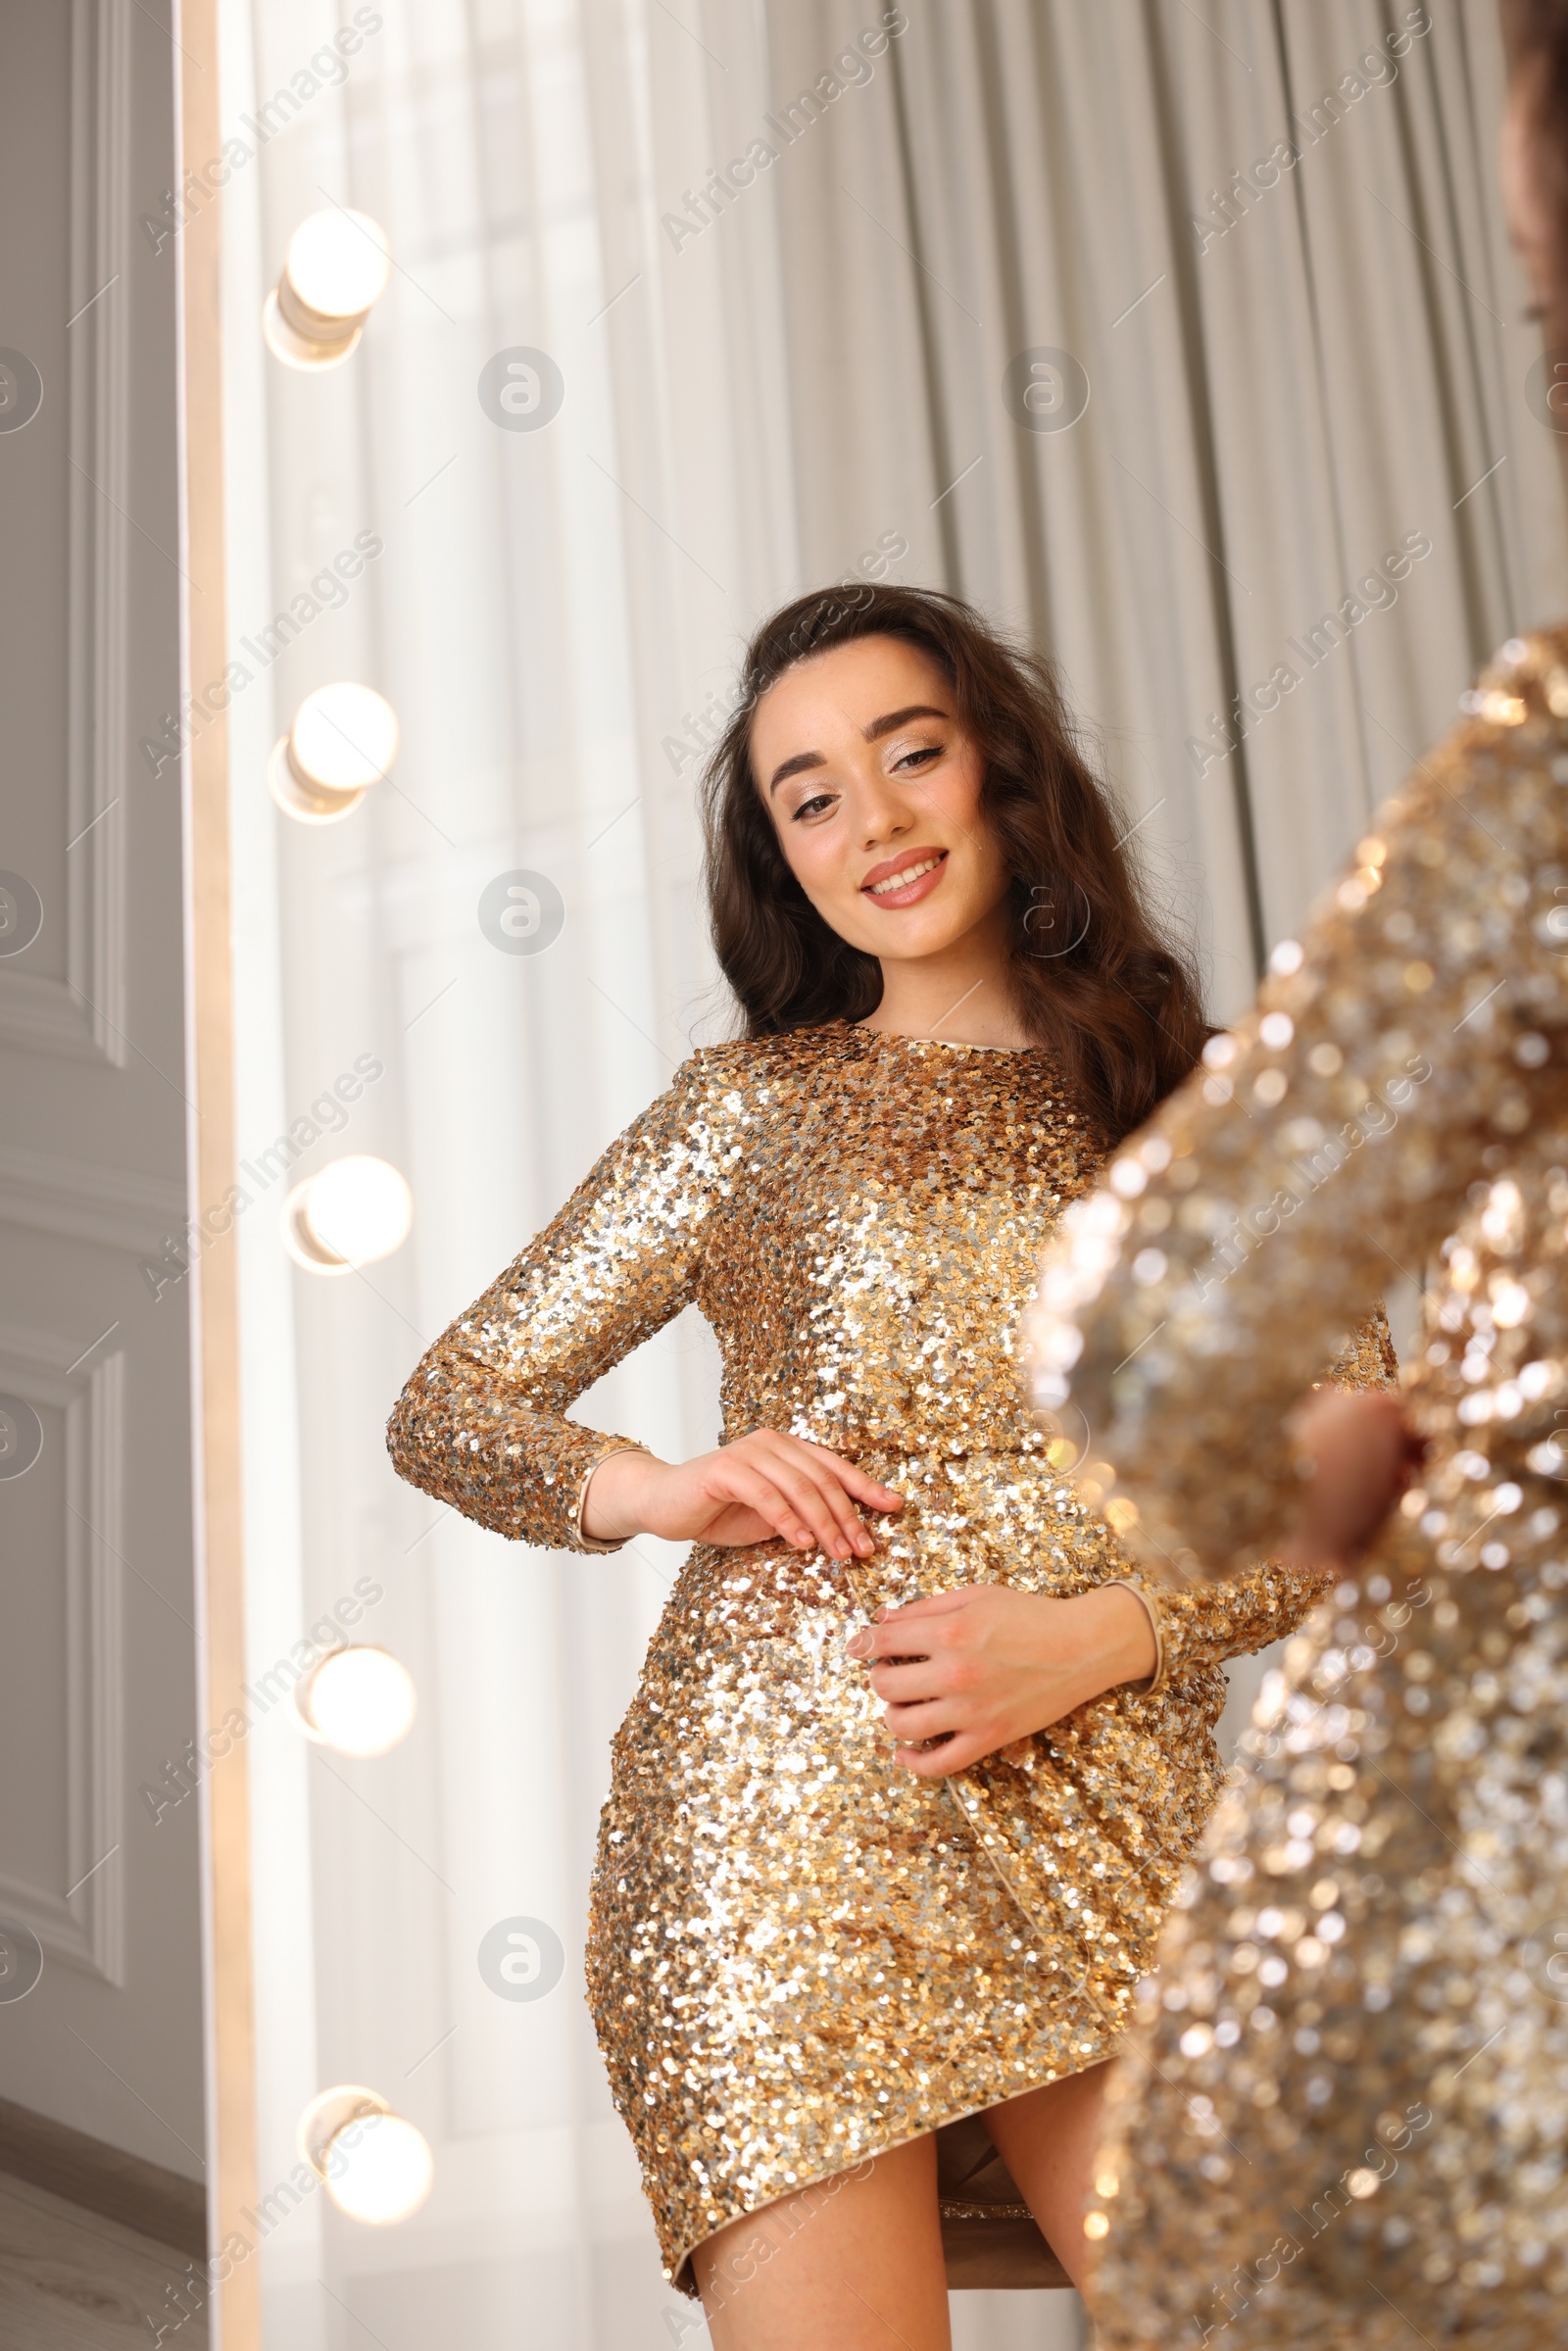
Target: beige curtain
column 1291, row 371
column 1020, row 300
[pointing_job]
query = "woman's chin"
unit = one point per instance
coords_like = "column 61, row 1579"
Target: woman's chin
column 921, row 941
column 910, row 934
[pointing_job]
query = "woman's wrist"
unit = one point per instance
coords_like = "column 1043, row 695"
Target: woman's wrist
column 610, row 1510
column 1126, row 1646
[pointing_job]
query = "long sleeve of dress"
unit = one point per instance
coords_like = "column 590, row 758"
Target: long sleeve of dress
column 1207, row 1624
column 1393, row 1057
column 482, row 1423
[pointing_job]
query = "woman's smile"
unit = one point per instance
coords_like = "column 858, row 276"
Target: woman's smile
column 904, row 880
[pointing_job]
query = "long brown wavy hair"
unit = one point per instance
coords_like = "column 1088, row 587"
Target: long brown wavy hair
column 1535, row 36
column 1112, row 998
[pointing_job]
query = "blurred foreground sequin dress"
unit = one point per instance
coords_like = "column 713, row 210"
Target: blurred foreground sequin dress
column 801, row 1955
column 1350, row 2124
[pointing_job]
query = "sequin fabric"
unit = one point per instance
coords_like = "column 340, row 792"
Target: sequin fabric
column 1348, row 2122
column 799, row 1954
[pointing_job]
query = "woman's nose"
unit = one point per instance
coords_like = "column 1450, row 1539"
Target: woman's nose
column 883, row 814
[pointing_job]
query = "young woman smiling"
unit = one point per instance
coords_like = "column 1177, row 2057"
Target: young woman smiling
column 854, row 1993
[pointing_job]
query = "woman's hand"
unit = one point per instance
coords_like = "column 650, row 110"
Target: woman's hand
column 982, row 1666
column 763, row 1485
column 1362, row 1454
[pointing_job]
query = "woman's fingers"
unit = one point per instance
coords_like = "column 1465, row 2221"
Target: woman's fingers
column 837, row 1481
column 742, row 1483
column 838, row 1461
column 926, row 1717
column 818, row 1507
column 921, row 1629
column 806, row 1494
column 817, row 1480
column 855, row 1481
column 933, row 1603
column 800, row 1492
column 866, row 1489
column 813, row 1518
column 955, row 1754
column 905, row 1681
column 800, row 1472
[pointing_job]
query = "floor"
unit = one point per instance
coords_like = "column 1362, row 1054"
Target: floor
column 70, row 2281
column 1051, row 2322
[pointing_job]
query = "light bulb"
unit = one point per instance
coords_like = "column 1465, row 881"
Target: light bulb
column 338, row 262
column 360, row 1700
column 337, row 266
column 343, row 738
column 355, row 1210
column 376, row 2165
column 379, row 2169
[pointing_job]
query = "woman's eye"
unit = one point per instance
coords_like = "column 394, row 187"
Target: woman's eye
column 814, row 806
column 921, row 757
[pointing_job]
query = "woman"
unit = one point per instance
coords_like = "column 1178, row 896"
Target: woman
column 1351, row 2123
column 808, row 1965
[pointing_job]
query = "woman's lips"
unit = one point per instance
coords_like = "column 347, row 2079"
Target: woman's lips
column 885, row 885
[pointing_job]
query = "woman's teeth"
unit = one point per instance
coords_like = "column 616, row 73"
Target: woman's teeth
column 902, row 881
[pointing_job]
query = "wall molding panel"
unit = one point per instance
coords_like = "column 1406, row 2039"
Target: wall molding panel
column 82, row 1016
column 81, row 1922
column 80, row 1201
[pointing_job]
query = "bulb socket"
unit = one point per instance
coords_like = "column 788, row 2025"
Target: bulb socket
column 300, row 796
column 329, row 2112
column 302, row 337
column 300, row 1238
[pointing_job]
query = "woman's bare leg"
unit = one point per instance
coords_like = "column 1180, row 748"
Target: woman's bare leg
column 853, row 2264
column 1046, row 2140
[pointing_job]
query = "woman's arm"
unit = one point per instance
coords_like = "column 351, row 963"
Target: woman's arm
column 979, row 1668
column 764, row 1485
column 483, row 1422
column 1208, row 1624
column 1417, row 1027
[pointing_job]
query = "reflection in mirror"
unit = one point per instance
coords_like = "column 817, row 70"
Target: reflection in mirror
column 560, row 348
column 1162, row 391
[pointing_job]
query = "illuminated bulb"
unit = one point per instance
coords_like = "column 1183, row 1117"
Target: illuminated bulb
column 385, row 2174
column 337, row 265
column 360, row 1700
column 355, row 1210
column 344, row 738
column 377, row 2166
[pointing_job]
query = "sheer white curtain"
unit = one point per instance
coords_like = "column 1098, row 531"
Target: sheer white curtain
column 766, row 383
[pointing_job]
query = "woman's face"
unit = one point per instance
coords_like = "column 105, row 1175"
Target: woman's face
column 874, row 788
column 1529, row 209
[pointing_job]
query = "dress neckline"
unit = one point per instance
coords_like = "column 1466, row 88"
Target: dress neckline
column 946, row 1045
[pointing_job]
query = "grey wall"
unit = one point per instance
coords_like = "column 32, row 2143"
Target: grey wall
column 97, row 1641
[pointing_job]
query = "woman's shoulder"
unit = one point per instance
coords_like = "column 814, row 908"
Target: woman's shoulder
column 746, row 1084
column 764, row 1065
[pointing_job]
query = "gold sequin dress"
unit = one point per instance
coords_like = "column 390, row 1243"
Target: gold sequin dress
column 1351, row 2121
column 799, row 1954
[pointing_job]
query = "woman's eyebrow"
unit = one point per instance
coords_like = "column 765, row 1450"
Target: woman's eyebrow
column 800, row 760
column 873, row 733
column 884, row 726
